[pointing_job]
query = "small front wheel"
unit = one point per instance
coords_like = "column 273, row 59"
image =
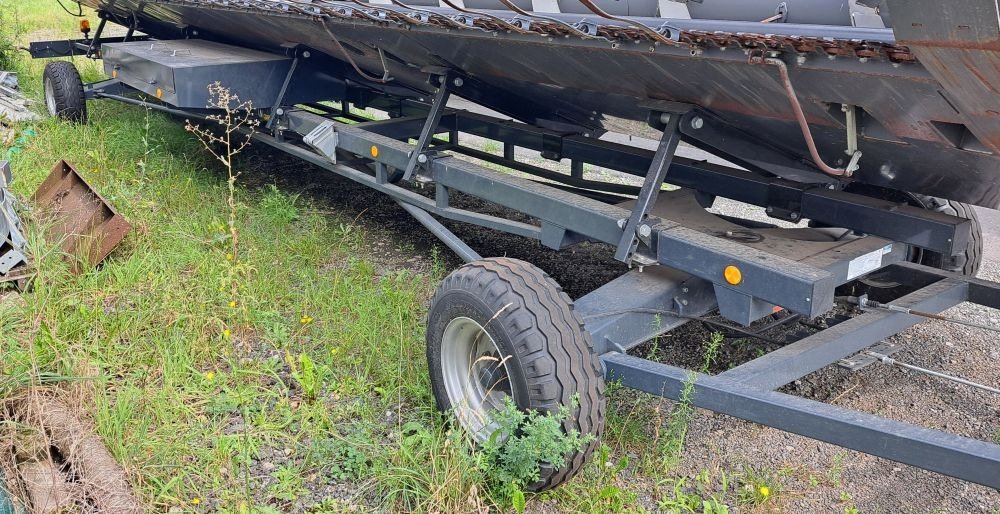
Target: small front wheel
column 64, row 97
column 502, row 329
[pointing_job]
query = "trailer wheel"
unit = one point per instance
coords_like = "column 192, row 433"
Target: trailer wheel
column 501, row 328
column 968, row 262
column 64, row 92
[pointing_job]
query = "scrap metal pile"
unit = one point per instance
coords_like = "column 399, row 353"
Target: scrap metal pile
column 14, row 107
column 12, row 241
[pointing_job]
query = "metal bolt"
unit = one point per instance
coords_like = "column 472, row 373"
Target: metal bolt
column 697, row 122
column 769, row 210
column 684, row 289
column 645, row 230
column 458, row 82
column 279, row 111
column 684, row 302
column 306, row 54
column 793, row 215
column 665, row 117
column 422, row 158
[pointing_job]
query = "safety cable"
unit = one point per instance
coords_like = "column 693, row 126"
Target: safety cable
column 889, row 361
column 79, row 7
column 865, row 303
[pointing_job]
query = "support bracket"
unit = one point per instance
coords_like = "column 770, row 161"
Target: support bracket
column 658, row 169
column 275, row 112
column 430, row 124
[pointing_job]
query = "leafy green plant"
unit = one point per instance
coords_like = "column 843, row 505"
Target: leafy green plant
column 288, row 484
column 10, row 31
column 757, row 487
column 339, row 458
column 680, row 417
column 307, row 374
column 684, row 499
column 279, row 208
column 521, row 444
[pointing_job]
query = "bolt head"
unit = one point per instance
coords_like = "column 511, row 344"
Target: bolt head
column 458, row 82
column 422, row 158
column 306, row 54
column 697, row 122
column 645, row 230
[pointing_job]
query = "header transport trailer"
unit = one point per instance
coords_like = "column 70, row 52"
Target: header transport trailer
column 868, row 127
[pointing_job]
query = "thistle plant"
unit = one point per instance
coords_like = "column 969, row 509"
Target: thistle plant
column 230, row 130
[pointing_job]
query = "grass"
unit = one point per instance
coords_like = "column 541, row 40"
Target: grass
column 287, row 375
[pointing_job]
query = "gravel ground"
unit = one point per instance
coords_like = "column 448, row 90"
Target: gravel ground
column 846, row 477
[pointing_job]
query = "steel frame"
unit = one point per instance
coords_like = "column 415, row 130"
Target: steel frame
column 689, row 283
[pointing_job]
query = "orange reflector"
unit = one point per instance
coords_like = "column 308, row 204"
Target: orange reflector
column 733, row 275
column 159, row 93
column 85, row 26
column 374, row 151
column 114, row 73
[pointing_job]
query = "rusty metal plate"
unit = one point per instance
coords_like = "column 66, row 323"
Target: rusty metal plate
column 87, row 226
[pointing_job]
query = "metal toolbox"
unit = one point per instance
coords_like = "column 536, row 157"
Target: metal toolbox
column 179, row 72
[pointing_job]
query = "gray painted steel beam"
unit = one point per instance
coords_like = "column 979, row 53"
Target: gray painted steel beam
column 636, row 307
column 844, row 339
column 794, row 285
column 960, row 457
column 441, row 232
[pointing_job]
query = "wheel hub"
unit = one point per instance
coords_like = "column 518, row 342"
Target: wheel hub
column 476, row 377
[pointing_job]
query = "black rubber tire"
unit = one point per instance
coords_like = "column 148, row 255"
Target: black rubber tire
column 968, row 262
column 67, row 101
column 552, row 357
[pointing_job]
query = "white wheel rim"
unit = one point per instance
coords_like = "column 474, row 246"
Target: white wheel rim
column 475, row 374
column 50, row 97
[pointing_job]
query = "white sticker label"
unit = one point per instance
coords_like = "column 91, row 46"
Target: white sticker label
column 865, row 264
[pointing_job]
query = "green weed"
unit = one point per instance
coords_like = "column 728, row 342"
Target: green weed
column 523, row 442
column 758, row 487
column 683, row 499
